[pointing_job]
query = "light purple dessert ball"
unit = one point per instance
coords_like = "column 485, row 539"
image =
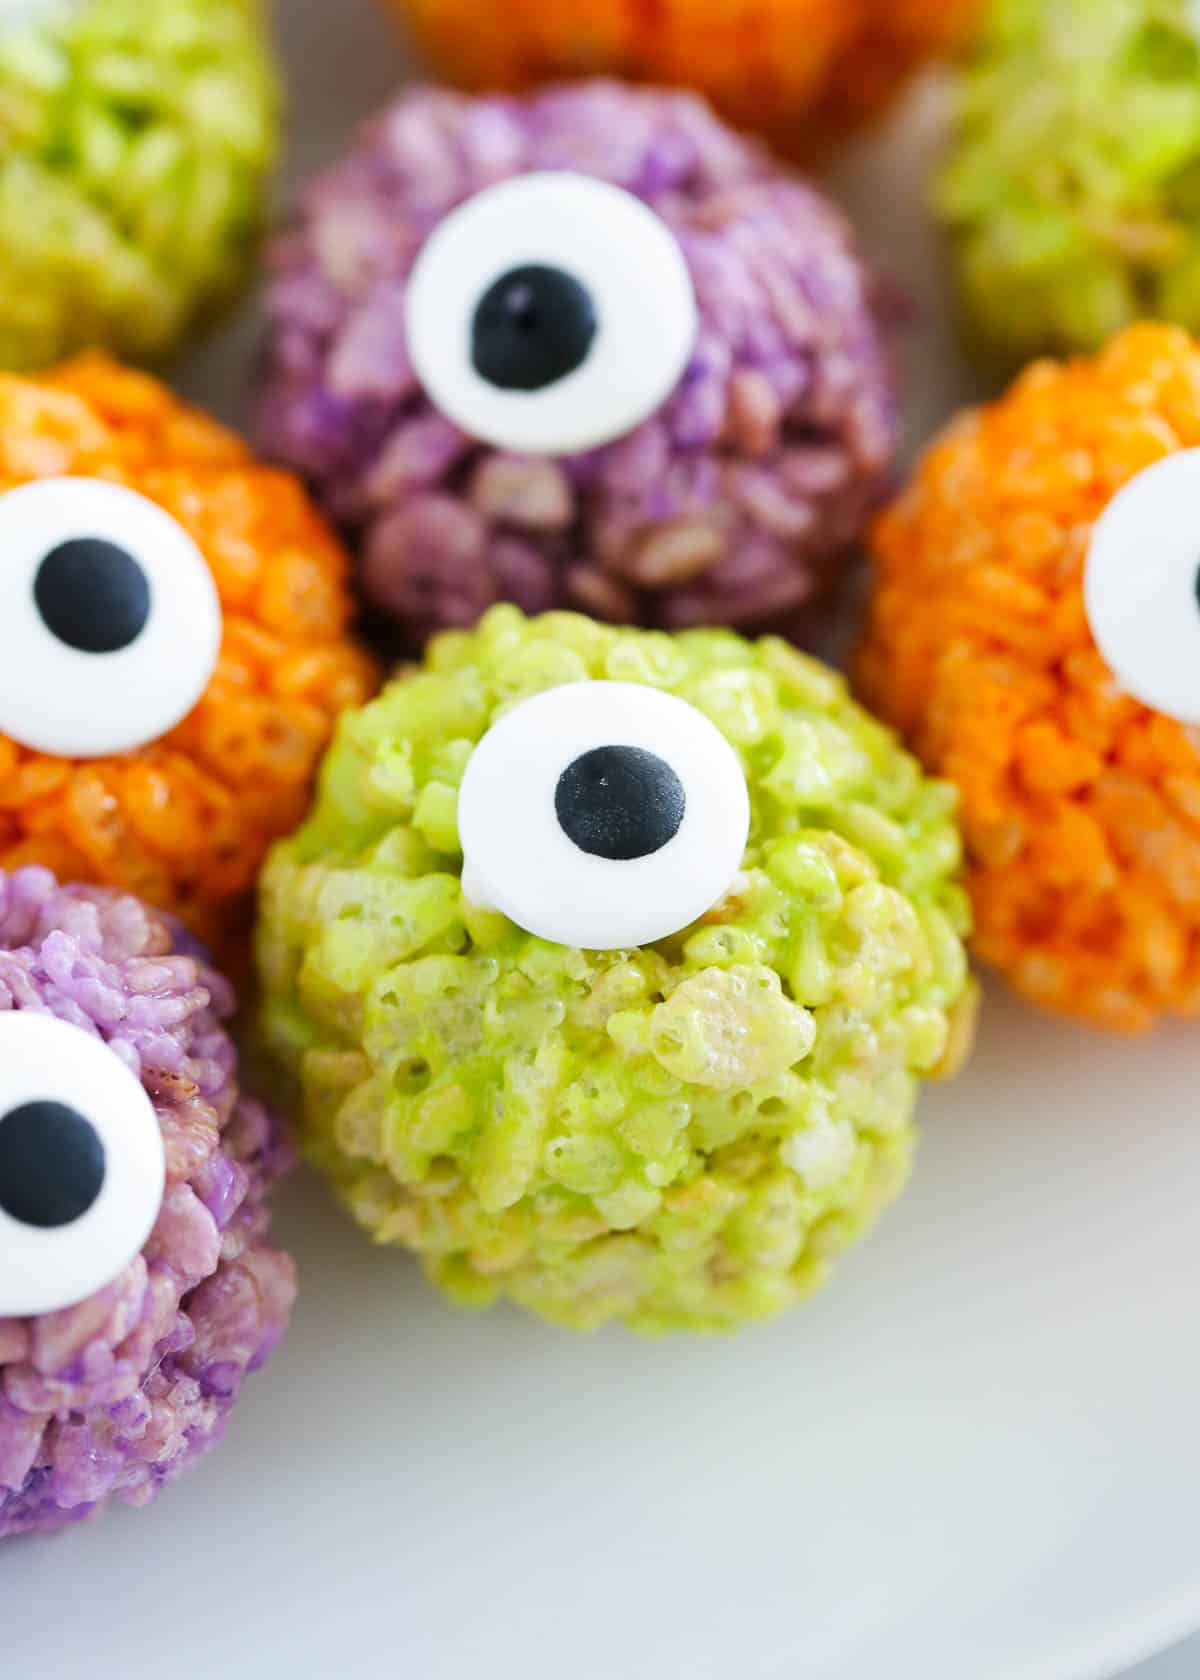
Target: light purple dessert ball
column 671, row 405
column 109, row 1394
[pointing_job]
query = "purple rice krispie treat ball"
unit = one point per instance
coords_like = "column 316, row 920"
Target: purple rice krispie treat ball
column 137, row 1288
column 588, row 348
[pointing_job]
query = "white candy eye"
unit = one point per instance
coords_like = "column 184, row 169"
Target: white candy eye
column 82, row 1166
column 550, row 314
column 110, row 624
column 603, row 815
column 1142, row 586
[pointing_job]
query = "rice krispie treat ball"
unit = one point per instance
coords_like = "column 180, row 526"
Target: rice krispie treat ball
column 585, row 349
column 1070, row 190
column 173, row 621
column 608, row 964
column 798, row 71
column 137, row 1287
column 1035, row 632
column 135, row 138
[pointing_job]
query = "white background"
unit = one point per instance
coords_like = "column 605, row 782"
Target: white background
column 975, row 1458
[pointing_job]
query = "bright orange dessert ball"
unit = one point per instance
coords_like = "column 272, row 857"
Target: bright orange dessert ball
column 173, row 644
column 1035, row 632
column 795, row 70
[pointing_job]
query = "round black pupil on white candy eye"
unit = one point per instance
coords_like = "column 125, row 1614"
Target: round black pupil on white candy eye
column 51, row 1164
column 92, row 595
column 532, row 327
column 619, row 802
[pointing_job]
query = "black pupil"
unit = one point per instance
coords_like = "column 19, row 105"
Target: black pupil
column 92, row 595
column 51, row 1164
column 619, row 802
column 532, row 327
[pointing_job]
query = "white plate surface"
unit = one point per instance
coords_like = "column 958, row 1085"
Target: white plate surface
column 974, row 1458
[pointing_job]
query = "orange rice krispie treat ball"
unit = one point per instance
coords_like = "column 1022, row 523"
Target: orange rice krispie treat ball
column 173, row 644
column 1035, row 631
column 794, row 70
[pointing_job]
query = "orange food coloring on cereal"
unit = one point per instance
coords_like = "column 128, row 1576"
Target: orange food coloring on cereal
column 186, row 820
column 1080, row 805
column 795, row 70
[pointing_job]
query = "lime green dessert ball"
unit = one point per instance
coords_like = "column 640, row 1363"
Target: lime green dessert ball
column 1072, row 190
column 679, row 1129
column 135, row 139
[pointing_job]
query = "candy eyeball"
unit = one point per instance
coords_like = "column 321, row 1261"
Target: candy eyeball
column 174, row 644
column 110, row 623
column 550, row 314
column 603, row 815
column 1142, row 586
column 138, row 1284
column 81, row 1164
column 583, row 349
column 1035, row 631
column 698, row 1082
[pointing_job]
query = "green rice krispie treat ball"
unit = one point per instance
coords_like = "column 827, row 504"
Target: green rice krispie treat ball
column 606, row 968
column 135, row 139
column 1072, row 190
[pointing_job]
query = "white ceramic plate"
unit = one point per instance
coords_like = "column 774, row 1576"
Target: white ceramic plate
column 974, row 1458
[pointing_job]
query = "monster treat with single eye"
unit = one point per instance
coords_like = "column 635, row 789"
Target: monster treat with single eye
column 137, row 1286
column 587, row 349
column 1074, row 209
column 1036, row 633
column 173, row 644
column 800, row 71
column 605, row 970
column 135, row 136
